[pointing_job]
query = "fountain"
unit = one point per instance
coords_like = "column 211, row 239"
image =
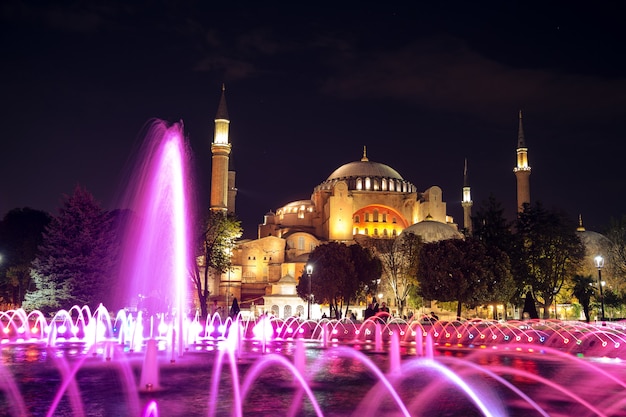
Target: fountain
column 169, row 363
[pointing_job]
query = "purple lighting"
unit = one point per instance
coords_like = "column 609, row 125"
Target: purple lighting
column 156, row 261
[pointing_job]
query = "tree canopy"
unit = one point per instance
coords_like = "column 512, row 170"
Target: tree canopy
column 547, row 252
column 399, row 259
column 76, row 264
column 215, row 249
column 21, row 233
column 463, row 270
column 340, row 272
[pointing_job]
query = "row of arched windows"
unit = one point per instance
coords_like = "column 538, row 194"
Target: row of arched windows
column 385, row 232
column 382, row 184
column 375, row 216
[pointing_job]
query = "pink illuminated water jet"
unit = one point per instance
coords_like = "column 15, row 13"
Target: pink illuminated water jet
column 156, row 260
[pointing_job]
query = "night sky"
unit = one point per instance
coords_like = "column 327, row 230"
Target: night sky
column 423, row 85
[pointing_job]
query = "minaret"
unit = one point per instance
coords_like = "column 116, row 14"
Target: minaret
column 220, row 148
column 466, row 203
column 580, row 227
column 522, row 170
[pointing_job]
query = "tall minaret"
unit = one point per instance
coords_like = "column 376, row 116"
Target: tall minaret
column 220, row 148
column 466, row 203
column 522, row 170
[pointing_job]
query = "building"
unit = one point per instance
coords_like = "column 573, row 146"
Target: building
column 359, row 198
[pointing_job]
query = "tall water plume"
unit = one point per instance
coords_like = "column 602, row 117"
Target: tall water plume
column 156, row 255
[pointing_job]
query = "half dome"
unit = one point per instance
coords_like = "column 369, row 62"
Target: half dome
column 433, row 231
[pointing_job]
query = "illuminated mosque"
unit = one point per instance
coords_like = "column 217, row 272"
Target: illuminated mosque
column 360, row 198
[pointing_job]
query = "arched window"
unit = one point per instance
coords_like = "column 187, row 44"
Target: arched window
column 383, row 184
column 359, row 184
column 368, row 183
column 375, row 217
column 357, row 219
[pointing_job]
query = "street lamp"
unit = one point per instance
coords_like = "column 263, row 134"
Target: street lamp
column 309, row 271
column 599, row 260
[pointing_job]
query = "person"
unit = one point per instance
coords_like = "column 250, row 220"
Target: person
column 234, row 309
column 352, row 316
column 369, row 311
column 434, row 316
column 385, row 312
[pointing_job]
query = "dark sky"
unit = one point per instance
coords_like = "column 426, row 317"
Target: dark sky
column 423, row 85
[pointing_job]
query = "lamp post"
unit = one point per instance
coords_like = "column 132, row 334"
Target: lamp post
column 309, row 271
column 599, row 260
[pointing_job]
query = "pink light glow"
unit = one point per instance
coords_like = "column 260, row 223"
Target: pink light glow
column 156, row 261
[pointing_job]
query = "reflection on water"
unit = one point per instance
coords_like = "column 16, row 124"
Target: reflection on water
column 342, row 383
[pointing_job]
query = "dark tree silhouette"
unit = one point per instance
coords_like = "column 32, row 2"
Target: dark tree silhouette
column 21, row 233
column 77, row 261
column 583, row 289
column 547, row 251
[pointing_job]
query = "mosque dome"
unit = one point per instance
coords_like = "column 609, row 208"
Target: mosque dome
column 595, row 243
column 433, row 231
column 366, row 175
column 364, row 169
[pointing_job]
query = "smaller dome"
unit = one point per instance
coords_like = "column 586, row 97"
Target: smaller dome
column 595, row 243
column 433, row 231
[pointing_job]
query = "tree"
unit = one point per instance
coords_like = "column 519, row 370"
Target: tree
column 501, row 287
column 616, row 262
column 490, row 226
column 368, row 270
column 455, row 270
column 399, row 259
column 21, row 233
column 77, row 260
column 582, row 288
column 217, row 242
column 340, row 272
column 547, row 251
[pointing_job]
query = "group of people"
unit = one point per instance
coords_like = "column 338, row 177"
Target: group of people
column 373, row 309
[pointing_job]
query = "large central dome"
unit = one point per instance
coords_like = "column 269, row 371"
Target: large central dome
column 363, row 169
column 367, row 176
